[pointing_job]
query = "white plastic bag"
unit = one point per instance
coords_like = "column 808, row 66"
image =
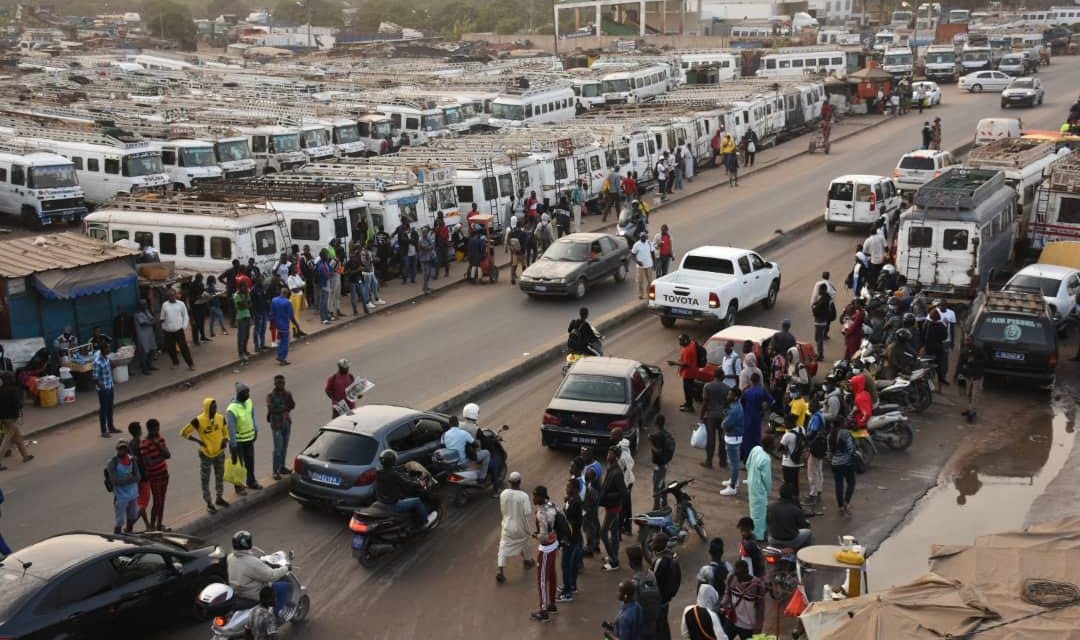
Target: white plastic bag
column 699, row 439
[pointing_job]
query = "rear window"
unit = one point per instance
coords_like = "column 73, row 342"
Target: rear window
column 590, row 388
column 1017, row 330
column 711, row 265
column 1024, row 282
column 917, row 163
column 841, row 191
column 342, row 448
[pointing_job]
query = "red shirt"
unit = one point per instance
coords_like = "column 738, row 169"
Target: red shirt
column 336, row 386
column 688, row 361
column 665, row 245
column 629, row 185
column 241, row 278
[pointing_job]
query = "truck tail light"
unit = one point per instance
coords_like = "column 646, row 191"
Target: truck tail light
column 652, row 292
column 714, row 301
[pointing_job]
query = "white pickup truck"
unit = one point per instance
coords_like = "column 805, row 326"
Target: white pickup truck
column 714, row 283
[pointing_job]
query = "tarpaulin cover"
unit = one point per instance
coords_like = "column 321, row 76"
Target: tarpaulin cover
column 65, row 284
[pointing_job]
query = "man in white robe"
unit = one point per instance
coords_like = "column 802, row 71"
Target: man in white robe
column 517, row 514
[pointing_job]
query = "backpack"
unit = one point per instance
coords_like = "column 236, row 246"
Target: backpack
column 674, row 571
column 108, row 480
column 720, row 574
column 819, row 446
column 800, row 446
column 562, row 528
column 702, row 354
column 648, row 597
column 820, row 308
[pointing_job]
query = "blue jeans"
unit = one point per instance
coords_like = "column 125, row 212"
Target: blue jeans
column 571, row 560
column 357, row 291
column 733, row 451
column 261, row 320
column 429, row 271
column 413, row 504
column 659, row 481
column 281, row 446
column 371, row 283
column 216, row 316
column 105, row 409
column 283, row 342
column 324, row 303
column 408, row 269
column 282, row 591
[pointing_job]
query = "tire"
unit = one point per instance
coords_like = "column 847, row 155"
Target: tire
column 579, row 289
column 1004, row 105
column 865, row 450
column 303, row 607
column 905, row 436
column 700, row 528
column 729, row 317
column 830, row 227
column 30, row 219
column 367, row 560
column 645, row 536
column 621, row 272
column 922, row 398
column 976, row 88
column 774, row 292
column 667, row 322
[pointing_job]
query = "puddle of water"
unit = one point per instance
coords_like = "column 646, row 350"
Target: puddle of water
column 991, row 493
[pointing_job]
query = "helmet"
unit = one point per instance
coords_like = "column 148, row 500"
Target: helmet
column 241, row 541
column 471, row 411
column 388, row 458
column 889, row 268
column 343, row 364
column 909, row 319
column 903, row 335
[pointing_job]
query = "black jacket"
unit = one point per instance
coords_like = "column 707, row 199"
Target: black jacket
column 392, row 485
column 10, row 402
column 614, row 487
column 668, row 575
column 784, row 519
column 574, row 515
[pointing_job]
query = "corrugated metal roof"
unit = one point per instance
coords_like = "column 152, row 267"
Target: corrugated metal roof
column 20, row 257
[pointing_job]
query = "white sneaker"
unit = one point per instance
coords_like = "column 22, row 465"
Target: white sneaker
column 726, row 482
column 730, row 491
column 273, row 345
column 432, row 517
column 380, row 301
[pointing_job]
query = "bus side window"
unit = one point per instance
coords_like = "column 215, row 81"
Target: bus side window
column 112, row 165
column 168, row 156
column 77, row 161
column 3, row 175
column 18, row 174
column 258, row 144
column 167, row 244
column 93, row 164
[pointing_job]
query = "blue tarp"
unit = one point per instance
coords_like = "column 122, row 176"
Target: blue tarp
column 66, row 284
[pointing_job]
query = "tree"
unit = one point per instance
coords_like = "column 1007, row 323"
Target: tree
column 171, row 21
column 324, row 13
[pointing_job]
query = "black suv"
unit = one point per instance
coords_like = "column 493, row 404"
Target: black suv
column 1015, row 332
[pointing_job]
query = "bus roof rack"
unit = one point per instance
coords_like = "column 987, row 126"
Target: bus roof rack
column 959, row 188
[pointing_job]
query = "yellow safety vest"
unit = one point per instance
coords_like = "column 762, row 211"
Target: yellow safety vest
column 245, row 423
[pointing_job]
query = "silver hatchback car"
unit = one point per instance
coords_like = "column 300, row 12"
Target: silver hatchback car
column 336, row 470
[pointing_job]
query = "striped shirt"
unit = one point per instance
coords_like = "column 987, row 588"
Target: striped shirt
column 103, row 371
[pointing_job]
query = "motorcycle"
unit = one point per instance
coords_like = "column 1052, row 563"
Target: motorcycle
column 464, row 475
column 573, row 356
column 630, row 225
column 911, row 393
column 780, row 575
column 378, row 530
column 218, row 600
column 889, row 426
column 673, row 524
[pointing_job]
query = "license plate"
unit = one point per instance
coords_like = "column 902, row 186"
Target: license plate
column 578, row 440
column 358, row 542
column 681, row 312
column 1008, row 355
column 326, row 479
column 541, row 288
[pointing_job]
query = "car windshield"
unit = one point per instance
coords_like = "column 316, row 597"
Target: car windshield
column 612, row 86
column 507, row 111
column 976, row 56
column 198, row 157
column 18, row 586
column 568, row 252
column 593, row 388
column 232, row 150
column 1048, row 286
column 1022, row 84
column 342, row 448
column 143, row 164
column 917, row 162
column 347, row 133
column 286, row 142
column 1013, row 330
column 54, row 177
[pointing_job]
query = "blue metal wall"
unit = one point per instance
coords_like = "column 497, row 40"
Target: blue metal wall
column 31, row 315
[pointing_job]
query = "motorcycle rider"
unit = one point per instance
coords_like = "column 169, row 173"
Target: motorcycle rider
column 583, row 338
column 900, row 359
column 787, row 522
column 462, row 438
column 399, row 492
column 248, row 574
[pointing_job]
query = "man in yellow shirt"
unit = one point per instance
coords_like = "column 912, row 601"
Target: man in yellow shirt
column 208, row 430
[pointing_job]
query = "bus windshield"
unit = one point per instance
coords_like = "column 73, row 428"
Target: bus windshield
column 380, row 129
column 198, row 157
column 976, row 56
column 507, row 111
column 590, row 91
column 142, row 164
column 54, row 177
column 615, row 86
column 898, row 59
column 314, row 138
column 285, row 142
column 346, row 133
column 232, row 150
column 452, row 115
column 941, row 58
column 436, row 122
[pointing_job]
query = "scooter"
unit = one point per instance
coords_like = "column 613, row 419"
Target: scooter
column 889, row 426
column 464, row 475
column 912, row 393
column 220, row 601
column 780, row 575
column 378, row 530
column 630, row 225
column 674, row 525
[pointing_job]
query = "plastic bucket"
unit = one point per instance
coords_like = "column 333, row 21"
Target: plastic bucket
column 120, row 373
column 47, row 397
column 67, row 395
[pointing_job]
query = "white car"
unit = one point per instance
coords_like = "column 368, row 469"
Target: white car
column 861, row 200
column 1060, row 287
column 714, row 283
column 921, row 166
column 1022, row 91
column 930, row 90
column 980, row 81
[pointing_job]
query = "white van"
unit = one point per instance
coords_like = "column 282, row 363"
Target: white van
column 197, row 236
column 991, row 129
column 861, row 200
column 188, row 162
column 41, row 188
column 275, row 148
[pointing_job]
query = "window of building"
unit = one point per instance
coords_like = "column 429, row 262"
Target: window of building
column 194, row 246
column 304, row 229
column 167, row 244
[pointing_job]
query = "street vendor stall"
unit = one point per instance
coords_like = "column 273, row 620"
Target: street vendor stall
column 868, row 82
